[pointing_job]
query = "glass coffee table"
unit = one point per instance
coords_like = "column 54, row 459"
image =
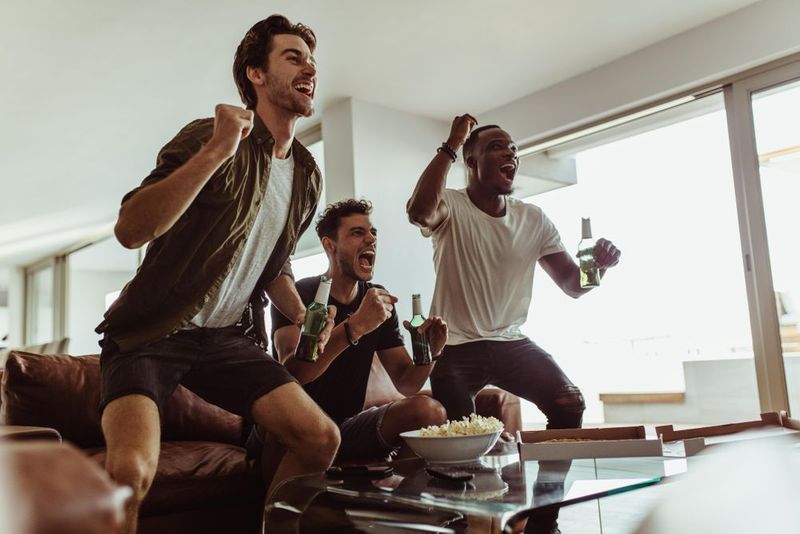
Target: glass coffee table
column 502, row 493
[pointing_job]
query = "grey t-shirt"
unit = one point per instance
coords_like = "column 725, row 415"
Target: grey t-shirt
column 226, row 308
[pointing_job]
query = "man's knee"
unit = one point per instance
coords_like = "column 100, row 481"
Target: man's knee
column 424, row 411
column 321, row 439
column 568, row 408
column 133, row 469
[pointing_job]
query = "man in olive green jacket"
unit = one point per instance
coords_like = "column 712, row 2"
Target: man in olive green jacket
column 222, row 211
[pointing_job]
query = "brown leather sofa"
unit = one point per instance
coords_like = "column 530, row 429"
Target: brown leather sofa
column 204, row 482
column 81, row 499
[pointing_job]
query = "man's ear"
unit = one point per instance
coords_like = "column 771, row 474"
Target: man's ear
column 470, row 161
column 328, row 245
column 256, row 75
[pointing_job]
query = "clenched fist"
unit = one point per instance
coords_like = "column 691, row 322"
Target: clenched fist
column 374, row 310
column 460, row 130
column 231, row 125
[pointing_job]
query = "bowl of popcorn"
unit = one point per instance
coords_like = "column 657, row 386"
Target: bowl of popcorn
column 461, row 441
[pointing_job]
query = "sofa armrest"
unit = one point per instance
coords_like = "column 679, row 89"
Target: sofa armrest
column 26, row 433
column 53, row 487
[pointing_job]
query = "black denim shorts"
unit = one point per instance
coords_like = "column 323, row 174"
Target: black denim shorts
column 221, row 365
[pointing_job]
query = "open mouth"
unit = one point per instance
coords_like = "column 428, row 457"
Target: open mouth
column 508, row 170
column 366, row 260
column 306, row 88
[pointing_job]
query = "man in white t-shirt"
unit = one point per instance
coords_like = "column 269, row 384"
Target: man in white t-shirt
column 486, row 244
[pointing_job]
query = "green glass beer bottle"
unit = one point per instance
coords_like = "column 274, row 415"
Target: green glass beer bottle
column 314, row 323
column 590, row 274
column 420, row 345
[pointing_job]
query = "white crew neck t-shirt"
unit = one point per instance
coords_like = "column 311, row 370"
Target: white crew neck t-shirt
column 227, row 306
column 484, row 267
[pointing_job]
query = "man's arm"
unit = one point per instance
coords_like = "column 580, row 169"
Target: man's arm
column 286, row 340
column 566, row 273
column 154, row 209
column 283, row 295
column 407, row 377
column 425, row 208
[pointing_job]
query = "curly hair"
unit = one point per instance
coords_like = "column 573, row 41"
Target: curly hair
column 255, row 47
column 328, row 221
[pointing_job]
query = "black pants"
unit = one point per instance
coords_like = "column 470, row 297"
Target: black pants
column 520, row 367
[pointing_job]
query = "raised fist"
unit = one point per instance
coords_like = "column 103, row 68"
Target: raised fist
column 231, row 125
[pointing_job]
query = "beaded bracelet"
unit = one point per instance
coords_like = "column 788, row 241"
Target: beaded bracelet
column 447, row 150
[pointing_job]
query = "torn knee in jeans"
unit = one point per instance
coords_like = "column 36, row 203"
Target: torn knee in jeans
column 570, row 399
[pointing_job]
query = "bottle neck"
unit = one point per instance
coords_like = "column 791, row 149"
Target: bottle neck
column 586, row 228
column 416, row 306
column 323, row 291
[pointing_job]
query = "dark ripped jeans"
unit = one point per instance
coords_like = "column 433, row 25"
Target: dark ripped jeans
column 520, row 367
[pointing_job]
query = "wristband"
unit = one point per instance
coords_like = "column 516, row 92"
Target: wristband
column 349, row 334
column 449, row 151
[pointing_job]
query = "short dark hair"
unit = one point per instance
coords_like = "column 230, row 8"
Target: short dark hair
column 328, row 221
column 256, row 46
column 469, row 144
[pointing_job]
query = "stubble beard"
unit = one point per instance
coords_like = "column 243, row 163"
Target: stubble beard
column 287, row 98
column 346, row 266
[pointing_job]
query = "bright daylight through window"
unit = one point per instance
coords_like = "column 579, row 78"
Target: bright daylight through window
column 673, row 316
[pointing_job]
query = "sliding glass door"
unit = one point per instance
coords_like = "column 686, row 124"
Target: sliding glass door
column 666, row 337
column 776, row 121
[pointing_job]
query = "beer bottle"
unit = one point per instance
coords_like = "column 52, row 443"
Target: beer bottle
column 420, row 345
column 314, row 322
column 590, row 274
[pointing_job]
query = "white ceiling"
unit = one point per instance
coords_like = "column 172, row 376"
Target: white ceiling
column 90, row 89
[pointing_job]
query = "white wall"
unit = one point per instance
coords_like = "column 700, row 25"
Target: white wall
column 746, row 38
column 389, row 150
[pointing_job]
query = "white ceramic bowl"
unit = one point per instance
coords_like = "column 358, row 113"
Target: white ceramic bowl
column 450, row 449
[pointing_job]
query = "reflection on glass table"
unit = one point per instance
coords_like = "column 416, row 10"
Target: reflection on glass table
column 503, row 492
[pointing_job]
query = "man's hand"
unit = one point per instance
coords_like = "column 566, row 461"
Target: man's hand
column 231, row 125
column 326, row 332
column 437, row 333
column 606, row 254
column 373, row 311
column 460, row 130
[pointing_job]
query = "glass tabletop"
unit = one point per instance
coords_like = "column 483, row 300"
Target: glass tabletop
column 502, row 487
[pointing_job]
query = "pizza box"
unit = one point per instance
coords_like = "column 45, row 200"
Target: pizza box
column 770, row 425
column 565, row 444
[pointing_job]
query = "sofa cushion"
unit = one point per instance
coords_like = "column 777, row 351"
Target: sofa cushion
column 197, row 474
column 63, row 392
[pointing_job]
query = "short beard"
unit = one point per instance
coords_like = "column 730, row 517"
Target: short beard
column 285, row 98
column 347, row 268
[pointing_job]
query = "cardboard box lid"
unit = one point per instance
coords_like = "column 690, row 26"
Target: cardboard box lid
column 668, row 433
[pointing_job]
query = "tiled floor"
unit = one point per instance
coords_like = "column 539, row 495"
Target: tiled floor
column 618, row 514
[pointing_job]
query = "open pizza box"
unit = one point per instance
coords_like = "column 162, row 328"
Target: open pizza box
column 771, row 425
column 565, row 444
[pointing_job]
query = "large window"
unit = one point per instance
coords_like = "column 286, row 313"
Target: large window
column 40, row 300
column 5, row 322
column 673, row 316
column 94, row 272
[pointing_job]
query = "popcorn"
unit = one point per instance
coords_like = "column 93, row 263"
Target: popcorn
column 468, row 426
